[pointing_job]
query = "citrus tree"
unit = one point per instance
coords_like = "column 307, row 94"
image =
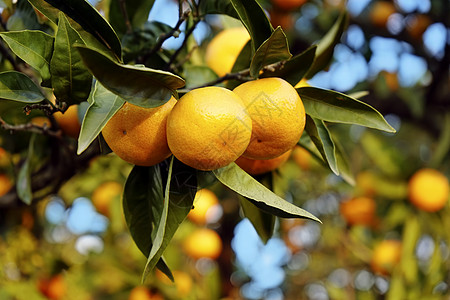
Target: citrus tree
column 79, row 82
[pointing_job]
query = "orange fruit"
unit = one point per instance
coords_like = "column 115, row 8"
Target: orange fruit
column 224, row 48
column 138, row 135
column 104, row 194
column 203, row 243
column 261, row 166
column 142, row 293
column 380, row 12
column 54, row 288
column 182, row 281
column 203, row 201
column 417, row 24
column 208, row 128
column 359, row 211
column 277, row 113
column 281, row 18
column 69, row 122
column 302, row 157
column 428, row 189
column 5, row 184
column 41, row 121
column 288, row 4
column 386, row 256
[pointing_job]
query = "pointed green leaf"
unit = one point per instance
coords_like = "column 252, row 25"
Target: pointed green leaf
column 263, row 222
column 138, row 85
column 19, row 87
column 23, row 185
column 343, row 164
column 137, row 12
column 87, row 16
column 71, row 81
column 179, row 194
column 198, row 75
column 273, row 50
column 336, row 107
column 295, row 68
column 238, row 180
column 217, row 7
column 321, row 137
column 104, row 105
column 46, row 9
column 255, row 20
column 242, row 62
column 33, row 47
column 325, row 48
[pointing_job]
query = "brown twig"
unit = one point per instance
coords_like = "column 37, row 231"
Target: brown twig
column 30, row 127
column 186, row 37
column 123, row 9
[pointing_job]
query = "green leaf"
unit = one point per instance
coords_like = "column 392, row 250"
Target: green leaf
column 23, row 185
column 46, row 9
column 33, row 47
column 255, row 20
column 336, row 107
column 179, row 194
column 263, row 222
column 343, row 164
column 71, row 81
column 325, row 48
column 138, row 85
column 217, row 7
column 273, row 50
column 104, row 105
column 242, row 62
column 137, row 12
column 88, row 17
column 198, row 75
column 238, row 180
column 321, row 137
column 295, row 68
column 19, row 87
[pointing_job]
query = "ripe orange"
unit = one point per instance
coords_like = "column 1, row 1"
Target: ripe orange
column 54, row 288
column 358, row 211
column 203, row 243
column 182, row 281
column 138, row 135
column 261, row 166
column 5, row 184
column 277, row 113
column 208, row 128
column 416, row 25
column 203, row 201
column 288, row 4
column 104, row 194
column 302, row 157
column 428, row 189
column 386, row 256
column 69, row 122
column 224, row 48
column 281, row 18
column 380, row 12
column 41, row 121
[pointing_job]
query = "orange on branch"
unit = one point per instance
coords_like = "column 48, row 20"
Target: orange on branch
column 287, row 5
column 138, row 135
column 277, row 113
column 386, row 255
column 208, row 128
column 204, row 200
column 104, row 194
column 261, row 166
column 224, row 48
column 69, row 122
column 5, row 184
column 302, row 157
column 203, row 243
column 428, row 189
column 380, row 12
column 359, row 211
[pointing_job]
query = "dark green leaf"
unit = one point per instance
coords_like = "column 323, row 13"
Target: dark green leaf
column 217, row 7
column 71, row 81
column 104, row 105
column 23, row 18
column 295, row 68
column 90, row 19
column 23, row 185
column 19, row 87
column 273, row 50
column 238, row 180
column 255, row 20
column 242, row 62
column 325, row 48
column 33, row 47
column 321, row 137
column 137, row 12
column 263, row 222
column 46, row 9
column 138, row 85
column 336, row 107
column 179, row 194
column 141, row 40
column 198, row 75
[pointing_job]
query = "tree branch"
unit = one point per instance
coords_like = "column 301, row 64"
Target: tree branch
column 30, row 127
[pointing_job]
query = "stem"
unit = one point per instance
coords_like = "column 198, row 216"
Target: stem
column 30, row 127
column 186, row 36
column 123, row 9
